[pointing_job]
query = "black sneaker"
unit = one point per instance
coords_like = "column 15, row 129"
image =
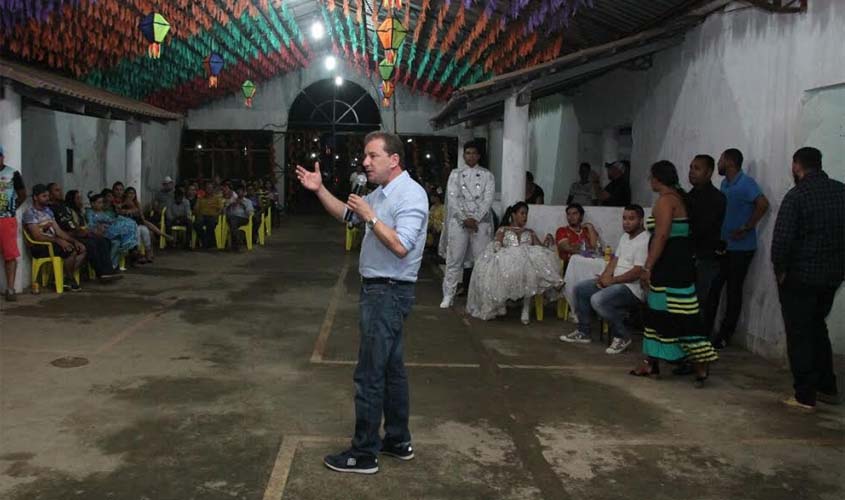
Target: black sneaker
column 74, row 287
column 402, row 451
column 350, row 461
column 11, row 296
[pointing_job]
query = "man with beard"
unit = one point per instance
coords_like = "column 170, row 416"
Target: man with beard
column 808, row 254
column 746, row 205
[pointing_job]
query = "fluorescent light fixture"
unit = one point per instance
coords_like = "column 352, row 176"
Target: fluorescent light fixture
column 338, row 80
column 331, row 63
column 317, row 30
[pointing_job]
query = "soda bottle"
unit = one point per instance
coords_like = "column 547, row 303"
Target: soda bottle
column 608, row 253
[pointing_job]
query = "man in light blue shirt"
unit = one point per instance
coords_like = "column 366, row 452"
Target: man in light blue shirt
column 745, row 206
column 396, row 214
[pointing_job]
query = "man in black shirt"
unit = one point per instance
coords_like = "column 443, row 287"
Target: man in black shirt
column 706, row 214
column 808, row 255
column 617, row 193
column 97, row 247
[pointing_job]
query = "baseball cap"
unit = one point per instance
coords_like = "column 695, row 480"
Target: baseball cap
column 167, row 179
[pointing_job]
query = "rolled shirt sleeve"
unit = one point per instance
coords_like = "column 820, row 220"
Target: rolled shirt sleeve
column 409, row 221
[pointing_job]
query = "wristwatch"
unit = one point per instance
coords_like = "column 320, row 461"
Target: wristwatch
column 372, row 222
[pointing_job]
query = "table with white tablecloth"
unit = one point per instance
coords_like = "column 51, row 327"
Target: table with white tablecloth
column 580, row 268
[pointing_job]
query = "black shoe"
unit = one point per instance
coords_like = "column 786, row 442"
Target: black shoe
column 402, row 451
column 11, row 296
column 827, row 398
column 350, row 461
column 74, row 287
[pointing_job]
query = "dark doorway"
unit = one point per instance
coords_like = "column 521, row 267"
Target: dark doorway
column 327, row 123
column 229, row 154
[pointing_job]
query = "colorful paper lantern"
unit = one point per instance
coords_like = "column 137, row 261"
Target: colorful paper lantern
column 213, row 66
column 392, row 4
column 248, row 88
column 386, row 69
column 391, row 33
column 154, row 27
column 386, row 92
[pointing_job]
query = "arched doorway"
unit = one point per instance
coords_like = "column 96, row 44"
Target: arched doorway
column 327, row 122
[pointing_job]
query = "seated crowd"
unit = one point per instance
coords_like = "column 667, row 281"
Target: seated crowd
column 113, row 230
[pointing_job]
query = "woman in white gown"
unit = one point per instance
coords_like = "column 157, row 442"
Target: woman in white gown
column 514, row 266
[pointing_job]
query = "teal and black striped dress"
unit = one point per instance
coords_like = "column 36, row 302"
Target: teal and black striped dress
column 673, row 324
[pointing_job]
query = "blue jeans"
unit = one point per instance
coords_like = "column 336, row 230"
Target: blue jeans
column 381, row 383
column 611, row 304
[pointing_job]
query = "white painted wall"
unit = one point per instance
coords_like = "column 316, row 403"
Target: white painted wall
column 739, row 80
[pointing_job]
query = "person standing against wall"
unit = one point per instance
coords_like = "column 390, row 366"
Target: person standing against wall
column 745, row 206
column 396, row 215
column 469, row 221
column 617, row 193
column 12, row 193
column 808, row 255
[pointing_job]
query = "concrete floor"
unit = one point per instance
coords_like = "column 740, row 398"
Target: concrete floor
column 220, row 376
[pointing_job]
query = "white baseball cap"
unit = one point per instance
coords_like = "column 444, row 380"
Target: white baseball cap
column 167, row 180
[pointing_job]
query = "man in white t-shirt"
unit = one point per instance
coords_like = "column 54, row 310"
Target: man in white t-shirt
column 618, row 288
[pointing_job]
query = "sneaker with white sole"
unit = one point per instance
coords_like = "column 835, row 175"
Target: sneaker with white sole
column 618, row 346
column 351, row 461
column 576, row 337
column 402, row 451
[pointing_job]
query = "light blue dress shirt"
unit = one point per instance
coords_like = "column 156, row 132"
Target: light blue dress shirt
column 403, row 206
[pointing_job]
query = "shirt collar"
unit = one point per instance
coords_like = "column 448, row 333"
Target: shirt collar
column 394, row 184
column 739, row 176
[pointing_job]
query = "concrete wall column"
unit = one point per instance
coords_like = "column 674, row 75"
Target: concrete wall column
column 514, row 152
column 134, row 158
column 11, row 138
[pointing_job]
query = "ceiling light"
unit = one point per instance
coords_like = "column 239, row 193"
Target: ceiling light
column 427, row 156
column 336, row 157
column 338, row 80
column 410, row 140
column 317, row 30
column 315, row 139
column 331, row 63
column 313, row 155
column 199, row 146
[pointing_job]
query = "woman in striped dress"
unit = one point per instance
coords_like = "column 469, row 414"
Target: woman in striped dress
column 674, row 330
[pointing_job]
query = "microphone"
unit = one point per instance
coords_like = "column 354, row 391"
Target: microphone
column 358, row 188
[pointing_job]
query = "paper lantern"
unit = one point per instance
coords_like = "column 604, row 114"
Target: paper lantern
column 213, row 66
column 386, row 92
column 386, row 69
column 392, row 4
column 391, row 33
column 248, row 88
column 154, row 28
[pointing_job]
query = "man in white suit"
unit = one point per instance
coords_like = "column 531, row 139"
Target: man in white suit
column 469, row 220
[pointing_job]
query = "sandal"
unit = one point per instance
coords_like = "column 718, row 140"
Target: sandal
column 646, row 369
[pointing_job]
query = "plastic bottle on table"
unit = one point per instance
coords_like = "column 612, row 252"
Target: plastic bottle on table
column 608, row 253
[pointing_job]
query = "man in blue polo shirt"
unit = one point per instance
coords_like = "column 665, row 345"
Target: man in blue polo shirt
column 746, row 205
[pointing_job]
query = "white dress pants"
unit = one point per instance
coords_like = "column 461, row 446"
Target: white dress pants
column 460, row 240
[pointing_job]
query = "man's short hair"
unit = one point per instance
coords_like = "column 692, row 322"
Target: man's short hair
column 808, row 158
column 38, row 189
column 708, row 160
column 585, row 165
column 392, row 143
column 474, row 145
column 576, row 206
column 636, row 208
column 734, row 156
column 51, row 185
column 529, row 176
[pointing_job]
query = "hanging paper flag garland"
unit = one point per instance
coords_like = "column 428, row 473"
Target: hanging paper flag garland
column 248, row 88
column 154, row 28
column 213, row 67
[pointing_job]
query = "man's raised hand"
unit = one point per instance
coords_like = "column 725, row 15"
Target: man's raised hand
column 310, row 180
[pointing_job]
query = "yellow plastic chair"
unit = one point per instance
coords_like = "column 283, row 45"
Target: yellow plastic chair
column 262, row 234
column 57, row 263
column 162, row 242
column 247, row 230
column 351, row 237
column 562, row 304
column 221, row 232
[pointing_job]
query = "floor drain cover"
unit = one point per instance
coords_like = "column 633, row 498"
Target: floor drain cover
column 69, row 362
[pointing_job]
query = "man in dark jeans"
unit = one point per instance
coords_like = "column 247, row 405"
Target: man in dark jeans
column 396, row 214
column 97, row 247
column 745, row 206
column 706, row 214
column 808, row 254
